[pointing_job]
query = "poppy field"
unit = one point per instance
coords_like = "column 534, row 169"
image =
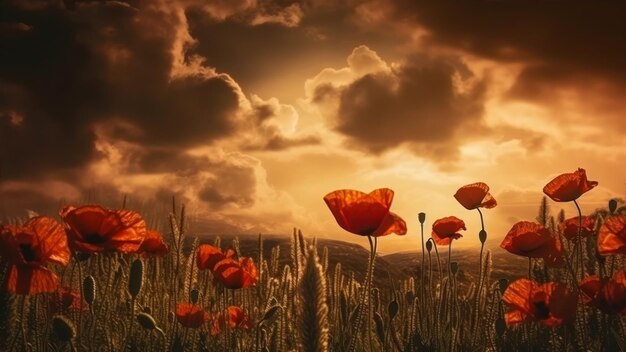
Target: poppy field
column 100, row 279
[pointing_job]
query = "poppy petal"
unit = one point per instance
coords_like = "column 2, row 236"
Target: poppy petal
column 391, row 224
column 28, row 280
column 475, row 195
column 358, row 212
column 208, row 256
column 612, row 236
column 52, row 239
column 569, row 186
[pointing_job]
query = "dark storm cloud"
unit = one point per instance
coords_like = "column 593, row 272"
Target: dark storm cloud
column 561, row 42
column 418, row 103
column 66, row 70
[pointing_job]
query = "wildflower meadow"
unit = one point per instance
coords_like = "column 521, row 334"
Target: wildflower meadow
column 100, row 279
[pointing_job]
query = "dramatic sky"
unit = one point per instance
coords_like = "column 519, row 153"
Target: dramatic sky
column 250, row 111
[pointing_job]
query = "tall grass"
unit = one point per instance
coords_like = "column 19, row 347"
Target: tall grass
column 300, row 305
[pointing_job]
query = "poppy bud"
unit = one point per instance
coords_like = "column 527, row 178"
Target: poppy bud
column 63, row 328
column 429, row 246
column 194, row 295
column 421, row 217
column 89, row 289
column 392, row 309
column 503, row 284
column 454, row 267
column 500, row 326
column 380, row 327
column 482, row 235
column 612, row 206
column 135, row 279
column 270, row 313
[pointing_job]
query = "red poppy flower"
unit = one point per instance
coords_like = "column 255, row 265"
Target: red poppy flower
column 209, row 255
column 153, row 244
column 92, row 228
column 570, row 227
column 475, row 195
column 237, row 318
column 532, row 240
column 65, row 300
column 568, row 187
column 235, row 274
column 612, row 236
column 552, row 304
column 447, row 229
column 28, row 249
column 365, row 214
column 608, row 295
column 190, row 315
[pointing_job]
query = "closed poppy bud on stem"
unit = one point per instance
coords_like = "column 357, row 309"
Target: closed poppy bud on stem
column 392, row 309
column 63, row 328
column 429, row 245
column 612, row 206
column 482, row 236
column 454, row 267
column 421, row 217
column 194, row 295
column 89, row 289
column 502, row 284
column 135, row 278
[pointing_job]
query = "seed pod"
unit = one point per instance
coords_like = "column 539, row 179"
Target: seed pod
column 63, row 328
column 482, row 236
column 269, row 313
column 380, row 327
column 136, row 278
column 392, row 309
column 147, row 322
column 89, row 289
column 503, row 284
column 429, row 246
column 500, row 326
column 454, row 267
column 421, row 217
column 194, row 295
column 612, row 206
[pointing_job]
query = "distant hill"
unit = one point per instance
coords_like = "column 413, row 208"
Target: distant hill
column 399, row 266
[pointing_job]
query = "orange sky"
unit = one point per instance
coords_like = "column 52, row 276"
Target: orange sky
column 251, row 111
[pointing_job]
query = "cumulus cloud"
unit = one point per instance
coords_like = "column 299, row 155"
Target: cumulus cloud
column 111, row 96
column 428, row 103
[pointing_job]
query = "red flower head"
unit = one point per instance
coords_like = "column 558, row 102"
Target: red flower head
column 237, row 318
column 28, row 249
column 64, row 300
column 532, row 240
column 235, row 274
column 570, row 227
column 153, row 244
column 191, row 316
column 475, row 195
column 568, row 187
column 609, row 296
column 552, row 304
column 92, row 228
column 365, row 214
column 447, row 229
column 209, row 255
column 612, row 236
